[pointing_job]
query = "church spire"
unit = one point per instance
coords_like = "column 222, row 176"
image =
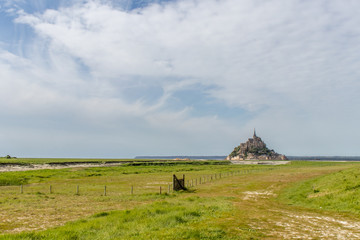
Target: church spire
column 254, row 133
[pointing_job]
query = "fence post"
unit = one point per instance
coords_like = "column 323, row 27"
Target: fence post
column 169, row 188
column 174, row 182
column 105, row 190
column 160, row 190
column 132, row 189
column 50, row 189
column 21, row 189
column 77, row 189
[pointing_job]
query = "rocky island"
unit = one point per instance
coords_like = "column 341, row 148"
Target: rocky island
column 254, row 149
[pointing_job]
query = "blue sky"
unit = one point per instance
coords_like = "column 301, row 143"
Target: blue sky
column 118, row 79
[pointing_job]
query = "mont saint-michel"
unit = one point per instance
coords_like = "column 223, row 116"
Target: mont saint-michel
column 254, row 149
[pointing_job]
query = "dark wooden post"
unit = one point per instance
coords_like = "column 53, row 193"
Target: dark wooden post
column 178, row 184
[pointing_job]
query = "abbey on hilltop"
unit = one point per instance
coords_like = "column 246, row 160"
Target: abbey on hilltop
column 254, row 149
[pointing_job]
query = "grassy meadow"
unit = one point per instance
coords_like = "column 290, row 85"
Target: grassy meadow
column 244, row 202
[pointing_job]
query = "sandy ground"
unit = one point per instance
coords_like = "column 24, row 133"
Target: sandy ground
column 267, row 162
column 14, row 168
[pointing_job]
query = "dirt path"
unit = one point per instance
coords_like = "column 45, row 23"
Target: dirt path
column 296, row 223
column 259, row 212
column 307, row 225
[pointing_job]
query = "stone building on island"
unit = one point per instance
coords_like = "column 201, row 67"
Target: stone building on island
column 254, row 149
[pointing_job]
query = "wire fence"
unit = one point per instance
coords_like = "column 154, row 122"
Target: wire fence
column 113, row 189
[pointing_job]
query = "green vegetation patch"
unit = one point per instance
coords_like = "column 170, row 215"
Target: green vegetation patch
column 49, row 175
column 338, row 191
column 189, row 218
column 9, row 180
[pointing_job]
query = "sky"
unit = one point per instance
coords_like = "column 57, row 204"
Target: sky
column 122, row 78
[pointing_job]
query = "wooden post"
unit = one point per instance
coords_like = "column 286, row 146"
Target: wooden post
column 160, row 189
column 105, row 190
column 77, row 190
column 179, row 184
column 50, row 189
column 174, row 184
column 195, row 181
column 21, row 189
column 132, row 189
column 169, row 189
column 200, row 180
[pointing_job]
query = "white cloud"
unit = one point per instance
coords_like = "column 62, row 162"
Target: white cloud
column 293, row 65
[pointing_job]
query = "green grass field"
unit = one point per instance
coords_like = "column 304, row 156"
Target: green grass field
column 258, row 203
column 339, row 191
